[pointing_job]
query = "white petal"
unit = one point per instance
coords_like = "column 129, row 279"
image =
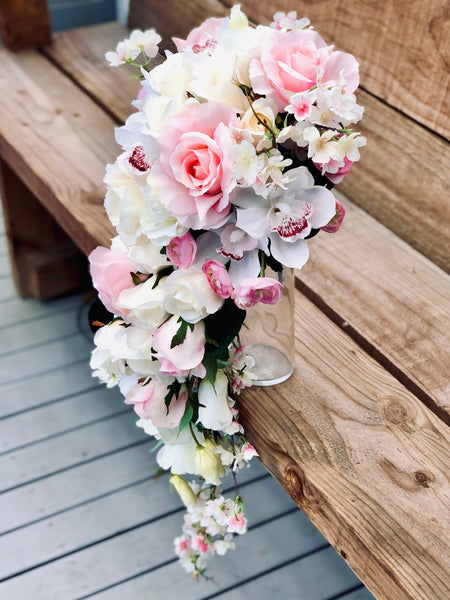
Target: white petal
column 253, row 220
column 293, row 254
column 324, row 206
column 247, row 267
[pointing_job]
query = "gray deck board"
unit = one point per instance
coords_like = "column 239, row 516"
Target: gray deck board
column 82, row 514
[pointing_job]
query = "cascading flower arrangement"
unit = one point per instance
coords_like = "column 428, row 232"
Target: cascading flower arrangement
column 226, row 169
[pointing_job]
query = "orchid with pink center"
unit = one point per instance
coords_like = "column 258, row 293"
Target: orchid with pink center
column 287, row 216
column 235, row 242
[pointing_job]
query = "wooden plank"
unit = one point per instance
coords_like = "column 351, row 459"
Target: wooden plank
column 21, row 311
column 319, row 576
column 50, row 386
column 401, row 180
column 62, row 491
column 362, row 457
column 24, row 23
column 59, row 141
column 36, row 333
column 147, row 547
column 5, row 265
column 52, row 355
column 359, row 594
column 81, row 54
column 34, row 238
column 392, row 298
column 254, row 555
column 106, row 517
column 87, row 483
column 57, row 418
column 73, row 448
column 7, row 289
column 173, row 18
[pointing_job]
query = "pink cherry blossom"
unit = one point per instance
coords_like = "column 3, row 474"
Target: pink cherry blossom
column 257, row 289
column 149, row 403
column 218, row 278
column 237, row 524
column 194, row 168
column 111, row 274
column 182, row 250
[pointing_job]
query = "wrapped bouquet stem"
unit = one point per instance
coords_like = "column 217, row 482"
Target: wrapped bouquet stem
column 225, row 174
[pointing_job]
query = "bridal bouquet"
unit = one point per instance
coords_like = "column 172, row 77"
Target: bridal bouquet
column 226, row 169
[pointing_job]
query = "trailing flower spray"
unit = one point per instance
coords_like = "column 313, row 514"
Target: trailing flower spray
column 227, row 168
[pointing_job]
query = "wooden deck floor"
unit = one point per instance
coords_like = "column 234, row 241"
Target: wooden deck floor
column 81, row 512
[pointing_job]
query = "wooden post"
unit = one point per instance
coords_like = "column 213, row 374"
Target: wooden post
column 24, row 23
column 45, row 262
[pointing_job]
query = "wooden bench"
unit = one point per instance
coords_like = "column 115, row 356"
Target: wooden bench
column 359, row 436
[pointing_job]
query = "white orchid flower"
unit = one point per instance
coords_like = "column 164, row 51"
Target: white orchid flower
column 287, row 216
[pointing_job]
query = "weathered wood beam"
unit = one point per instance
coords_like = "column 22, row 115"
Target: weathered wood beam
column 24, row 23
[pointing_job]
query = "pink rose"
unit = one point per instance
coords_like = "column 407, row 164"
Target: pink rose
column 149, row 403
column 290, row 63
column 111, row 274
column 218, row 278
column 257, row 289
column 201, row 39
column 336, row 221
column 194, row 169
column 182, row 250
column 187, row 356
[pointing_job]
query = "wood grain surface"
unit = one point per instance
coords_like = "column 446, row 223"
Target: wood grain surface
column 362, row 457
column 59, row 141
column 80, row 53
column 390, row 297
column 401, row 179
column 24, row 23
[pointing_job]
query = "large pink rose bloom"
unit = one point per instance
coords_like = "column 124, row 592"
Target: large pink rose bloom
column 289, row 65
column 194, row 170
column 111, row 274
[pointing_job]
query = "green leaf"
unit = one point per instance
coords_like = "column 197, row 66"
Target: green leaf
column 186, row 418
column 180, row 335
column 223, row 326
column 163, row 273
column 172, row 390
column 210, row 363
column 135, row 279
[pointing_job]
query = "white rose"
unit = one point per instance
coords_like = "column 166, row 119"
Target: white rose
column 147, row 256
column 188, row 294
column 145, row 304
column 124, row 207
column 171, row 78
column 157, row 223
column 109, row 357
column 213, row 79
column 214, row 412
